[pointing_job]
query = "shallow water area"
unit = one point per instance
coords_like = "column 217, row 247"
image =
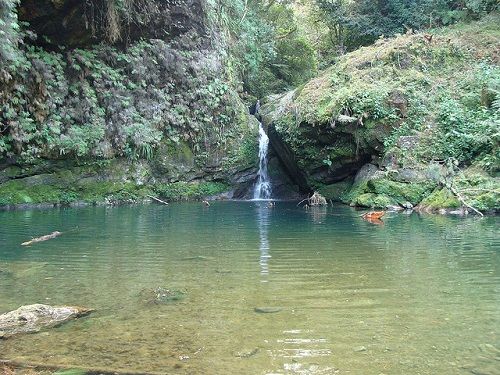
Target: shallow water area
column 267, row 290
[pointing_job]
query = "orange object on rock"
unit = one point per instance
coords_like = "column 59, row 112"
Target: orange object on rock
column 373, row 215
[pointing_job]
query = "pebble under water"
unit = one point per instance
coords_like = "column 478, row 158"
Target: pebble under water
column 244, row 288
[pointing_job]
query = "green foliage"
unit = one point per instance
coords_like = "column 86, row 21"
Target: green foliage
column 178, row 191
column 267, row 50
column 10, row 34
column 106, row 102
column 356, row 23
column 246, row 154
column 465, row 134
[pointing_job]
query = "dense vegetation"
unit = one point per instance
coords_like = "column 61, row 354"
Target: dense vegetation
column 160, row 90
column 424, row 112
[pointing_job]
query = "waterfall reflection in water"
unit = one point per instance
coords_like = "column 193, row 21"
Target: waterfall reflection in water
column 263, row 213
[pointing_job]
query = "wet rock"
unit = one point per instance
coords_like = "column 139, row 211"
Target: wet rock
column 162, row 296
column 75, row 23
column 33, row 318
column 267, row 310
column 368, row 172
column 407, row 206
column 359, row 349
column 5, row 273
column 247, row 353
column 394, row 208
column 197, row 257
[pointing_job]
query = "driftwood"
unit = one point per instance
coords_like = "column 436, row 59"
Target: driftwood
column 41, row 239
column 314, row 200
column 158, row 200
column 461, row 199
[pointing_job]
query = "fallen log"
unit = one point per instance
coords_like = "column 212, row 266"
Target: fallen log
column 158, row 200
column 41, row 239
column 462, row 200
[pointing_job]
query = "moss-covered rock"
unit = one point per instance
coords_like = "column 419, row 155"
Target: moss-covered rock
column 401, row 192
column 440, row 199
column 335, row 191
column 372, row 200
column 383, row 192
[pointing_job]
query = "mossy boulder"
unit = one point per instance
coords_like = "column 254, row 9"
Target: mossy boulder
column 175, row 160
column 401, row 192
column 379, row 104
column 335, row 191
column 441, row 198
column 373, row 200
column 383, row 192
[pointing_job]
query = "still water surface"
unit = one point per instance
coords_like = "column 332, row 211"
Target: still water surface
column 417, row 295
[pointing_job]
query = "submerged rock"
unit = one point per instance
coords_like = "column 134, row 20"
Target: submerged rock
column 4, row 272
column 359, row 349
column 159, row 296
column 247, row 353
column 267, row 310
column 33, row 318
column 197, row 257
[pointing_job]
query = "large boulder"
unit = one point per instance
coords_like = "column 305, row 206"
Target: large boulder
column 33, row 318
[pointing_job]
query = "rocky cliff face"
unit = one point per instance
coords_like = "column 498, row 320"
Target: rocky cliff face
column 75, row 23
column 403, row 123
column 110, row 99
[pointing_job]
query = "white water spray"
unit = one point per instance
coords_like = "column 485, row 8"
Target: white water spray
column 262, row 188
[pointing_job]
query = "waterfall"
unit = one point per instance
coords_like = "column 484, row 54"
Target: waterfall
column 262, row 188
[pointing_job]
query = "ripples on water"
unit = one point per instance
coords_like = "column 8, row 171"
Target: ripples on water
column 418, row 295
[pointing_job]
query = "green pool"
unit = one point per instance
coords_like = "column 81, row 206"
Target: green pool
column 262, row 290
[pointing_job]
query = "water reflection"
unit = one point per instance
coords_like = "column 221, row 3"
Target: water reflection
column 263, row 213
column 318, row 214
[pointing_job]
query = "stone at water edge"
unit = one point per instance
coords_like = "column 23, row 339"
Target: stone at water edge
column 33, row 318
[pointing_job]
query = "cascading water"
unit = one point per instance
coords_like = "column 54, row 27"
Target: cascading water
column 262, row 188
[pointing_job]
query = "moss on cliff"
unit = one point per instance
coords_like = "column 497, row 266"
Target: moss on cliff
column 179, row 191
column 403, row 102
column 440, row 199
column 70, row 187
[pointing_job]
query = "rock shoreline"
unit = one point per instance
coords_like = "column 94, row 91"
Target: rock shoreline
column 34, row 318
